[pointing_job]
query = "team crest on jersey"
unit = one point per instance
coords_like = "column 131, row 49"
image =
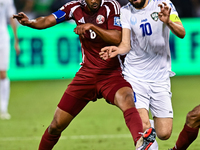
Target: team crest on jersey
column 133, row 20
column 154, row 16
column 100, row 19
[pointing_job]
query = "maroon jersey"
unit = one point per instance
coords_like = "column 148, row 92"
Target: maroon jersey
column 107, row 17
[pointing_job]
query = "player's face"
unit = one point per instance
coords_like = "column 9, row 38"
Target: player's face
column 137, row 3
column 93, row 5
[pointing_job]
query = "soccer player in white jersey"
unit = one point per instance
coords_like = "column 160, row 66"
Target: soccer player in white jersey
column 6, row 12
column 147, row 66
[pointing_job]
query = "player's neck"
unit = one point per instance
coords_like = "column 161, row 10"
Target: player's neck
column 145, row 4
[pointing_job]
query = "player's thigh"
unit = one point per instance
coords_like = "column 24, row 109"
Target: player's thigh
column 144, row 115
column 124, row 98
column 115, row 89
column 160, row 101
column 141, row 93
column 163, row 127
column 72, row 105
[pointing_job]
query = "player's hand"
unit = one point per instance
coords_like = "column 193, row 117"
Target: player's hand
column 164, row 14
column 108, row 52
column 81, row 29
column 22, row 18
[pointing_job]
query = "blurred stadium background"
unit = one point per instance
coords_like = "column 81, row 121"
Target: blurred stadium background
column 48, row 61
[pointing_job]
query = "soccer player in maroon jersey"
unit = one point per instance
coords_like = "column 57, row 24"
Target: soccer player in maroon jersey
column 190, row 130
column 98, row 25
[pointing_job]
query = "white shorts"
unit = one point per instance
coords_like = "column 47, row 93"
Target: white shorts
column 4, row 55
column 153, row 96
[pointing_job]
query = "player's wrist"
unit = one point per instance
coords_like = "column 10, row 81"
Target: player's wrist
column 169, row 23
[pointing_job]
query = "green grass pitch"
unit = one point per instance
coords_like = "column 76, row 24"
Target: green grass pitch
column 99, row 126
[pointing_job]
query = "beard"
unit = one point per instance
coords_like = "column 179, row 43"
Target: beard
column 138, row 5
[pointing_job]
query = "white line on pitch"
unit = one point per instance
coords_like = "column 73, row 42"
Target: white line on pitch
column 77, row 137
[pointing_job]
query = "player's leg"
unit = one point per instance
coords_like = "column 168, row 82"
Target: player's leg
column 142, row 104
column 124, row 99
column 144, row 114
column 4, row 95
column 161, row 108
column 193, row 118
column 52, row 134
column 121, row 94
column 4, row 81
column 154, row 146
column 190, row 130
column 163, row 127
column 163, row 116
column 67, row 109
column 142, row 100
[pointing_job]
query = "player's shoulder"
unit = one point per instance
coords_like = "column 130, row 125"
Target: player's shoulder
column 126, row 9
column 160, row 1
column 127, row 6
column 74, row 3
column 112, row 3
column 168, row 2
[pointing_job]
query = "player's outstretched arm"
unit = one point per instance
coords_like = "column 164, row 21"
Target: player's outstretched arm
column 38, row 23
column 14, row 28
column 175, row 25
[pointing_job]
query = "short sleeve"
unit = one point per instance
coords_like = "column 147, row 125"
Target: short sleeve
column 124, row 17
column 68, row 10
column 113, row 11
column 173, row 9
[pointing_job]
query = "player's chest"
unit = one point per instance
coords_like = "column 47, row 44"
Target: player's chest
column 146, row 23
column 98, row 19
column 3, row 6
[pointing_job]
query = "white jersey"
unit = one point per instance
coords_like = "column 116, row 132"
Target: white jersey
column 149, row 58
column 7, row 9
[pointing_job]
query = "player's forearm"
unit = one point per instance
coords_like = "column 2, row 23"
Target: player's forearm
column 38, row 23
column 42, row 22
column 177, row 29
column 109, row 36
column 124, row 48
column 125, row 45
column 14, row 27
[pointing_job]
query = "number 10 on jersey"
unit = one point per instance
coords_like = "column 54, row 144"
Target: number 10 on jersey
column 146, row 29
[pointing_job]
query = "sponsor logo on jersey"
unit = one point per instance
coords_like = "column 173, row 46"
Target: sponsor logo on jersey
column 144, row 20
column 100, row 19
column 81, row 20
column 154, row 16
column 117, row 21
column 133, row 20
